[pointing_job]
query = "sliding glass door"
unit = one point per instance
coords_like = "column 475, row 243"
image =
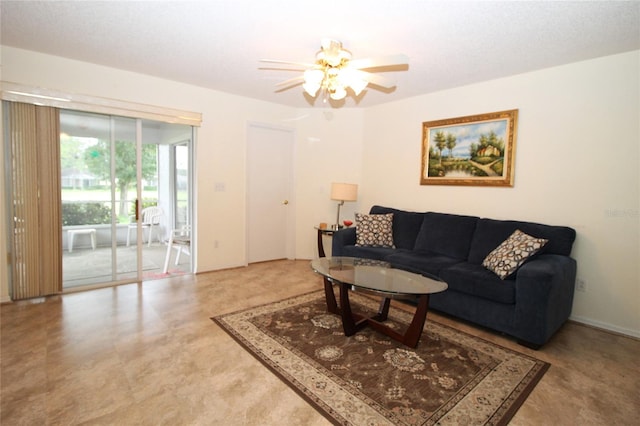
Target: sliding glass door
column 118, row 203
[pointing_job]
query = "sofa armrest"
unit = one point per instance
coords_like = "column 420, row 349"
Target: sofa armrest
column 544, row 296
column 341, row 238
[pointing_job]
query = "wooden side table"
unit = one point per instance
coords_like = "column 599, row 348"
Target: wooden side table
column 321, row 232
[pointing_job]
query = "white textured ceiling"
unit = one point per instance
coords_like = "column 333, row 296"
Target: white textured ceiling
column 218, row 44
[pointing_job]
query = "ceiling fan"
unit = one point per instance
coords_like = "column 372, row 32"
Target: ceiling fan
column 334, row 71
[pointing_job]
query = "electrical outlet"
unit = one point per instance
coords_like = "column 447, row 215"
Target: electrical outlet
column 581, row 285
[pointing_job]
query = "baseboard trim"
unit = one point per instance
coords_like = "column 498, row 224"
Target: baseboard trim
column 606, row 327
column 5, row 299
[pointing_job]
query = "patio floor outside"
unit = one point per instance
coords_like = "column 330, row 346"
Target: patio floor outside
column 87, row 266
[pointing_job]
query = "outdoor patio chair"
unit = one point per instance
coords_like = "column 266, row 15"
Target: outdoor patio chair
column 180, row 240
column 150, row 220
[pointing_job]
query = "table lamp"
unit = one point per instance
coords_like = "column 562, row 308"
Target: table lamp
column 343, row 192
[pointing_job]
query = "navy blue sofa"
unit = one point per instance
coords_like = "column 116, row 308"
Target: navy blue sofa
column 531, row 305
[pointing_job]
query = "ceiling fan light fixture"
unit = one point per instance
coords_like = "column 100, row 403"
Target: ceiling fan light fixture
column 332, row 54
column 334, row 73
column 313, row 76
column 353, row 78
column 311, row 88
column 338, row 93
column 358, row 86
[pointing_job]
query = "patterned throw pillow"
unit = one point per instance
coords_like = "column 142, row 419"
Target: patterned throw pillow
column 505, row 259
column 374, row 230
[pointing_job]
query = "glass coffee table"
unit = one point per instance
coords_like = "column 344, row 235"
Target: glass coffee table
column 379, row 278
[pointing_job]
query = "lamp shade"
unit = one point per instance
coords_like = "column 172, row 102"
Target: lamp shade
column 344, row 191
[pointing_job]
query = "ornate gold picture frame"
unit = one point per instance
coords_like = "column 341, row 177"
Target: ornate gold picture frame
column 473, row 150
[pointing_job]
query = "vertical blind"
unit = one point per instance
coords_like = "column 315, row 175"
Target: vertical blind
column 36, row 238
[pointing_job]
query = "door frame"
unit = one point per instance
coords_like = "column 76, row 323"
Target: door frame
column 39, row 95
column 116, row 279
column 167, row 168
column 291, row 211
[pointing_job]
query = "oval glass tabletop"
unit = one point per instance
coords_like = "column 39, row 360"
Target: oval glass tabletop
column 377, row 276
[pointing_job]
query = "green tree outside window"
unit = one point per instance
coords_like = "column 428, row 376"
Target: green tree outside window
column 98, row 160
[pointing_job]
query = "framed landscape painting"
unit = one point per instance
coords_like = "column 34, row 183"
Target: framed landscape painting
column 473, row 150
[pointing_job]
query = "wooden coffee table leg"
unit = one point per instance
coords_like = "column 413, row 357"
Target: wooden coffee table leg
column 330, row 297
column 351, row 323
column 413, row 333
column 348, row 323
column 383, row 310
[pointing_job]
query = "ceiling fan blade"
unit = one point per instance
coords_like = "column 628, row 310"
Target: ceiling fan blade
column 379, row 80
column 297, row 69
column 277, row 61
column 283, row 85
column 380, row 61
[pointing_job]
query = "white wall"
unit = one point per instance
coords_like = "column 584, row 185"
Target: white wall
column 577, row 164
column 329, row 150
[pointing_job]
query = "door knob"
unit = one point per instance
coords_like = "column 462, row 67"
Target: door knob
column 285, row 202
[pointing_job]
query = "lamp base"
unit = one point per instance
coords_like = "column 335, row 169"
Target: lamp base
column 336, row 226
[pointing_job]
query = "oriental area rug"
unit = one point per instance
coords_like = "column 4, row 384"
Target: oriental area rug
column 369, row 379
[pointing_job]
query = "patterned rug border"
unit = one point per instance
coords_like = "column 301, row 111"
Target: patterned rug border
column 501, row 416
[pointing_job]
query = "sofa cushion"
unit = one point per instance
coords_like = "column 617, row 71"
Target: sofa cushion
column 378, row 253
column 374, row 230
column 475, row 280
column 406, row 225
column 505, row 259
column 420, row 263
column 446, row 234
column 490, row 233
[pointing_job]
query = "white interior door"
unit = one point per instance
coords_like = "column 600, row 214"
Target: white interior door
column 270, row 204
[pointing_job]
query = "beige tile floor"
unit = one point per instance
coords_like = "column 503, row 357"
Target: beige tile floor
column 148, row 354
